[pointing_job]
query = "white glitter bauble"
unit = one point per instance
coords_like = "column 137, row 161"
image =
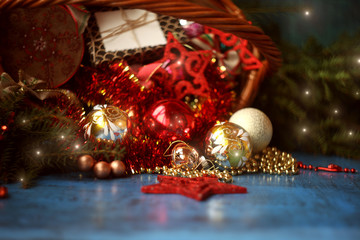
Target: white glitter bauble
column 257, row 124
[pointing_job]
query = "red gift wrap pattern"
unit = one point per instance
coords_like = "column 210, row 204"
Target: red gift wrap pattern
column 44, row 42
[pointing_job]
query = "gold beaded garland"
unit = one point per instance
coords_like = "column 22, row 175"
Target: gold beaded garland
column 270, row 160
column 273, row 161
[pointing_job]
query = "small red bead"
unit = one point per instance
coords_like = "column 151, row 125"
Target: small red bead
column 346, row 170
column 353, row 170
column 310, row 167
column 300, row 164
column 316, row 169
column 304, row 166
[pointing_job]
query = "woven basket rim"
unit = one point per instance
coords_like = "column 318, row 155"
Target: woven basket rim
column 230, row 22
column 228, row 19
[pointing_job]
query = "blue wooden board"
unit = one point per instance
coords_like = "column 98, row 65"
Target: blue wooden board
column 311, row 205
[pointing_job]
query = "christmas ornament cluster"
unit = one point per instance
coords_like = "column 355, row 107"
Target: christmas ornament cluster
column 187, row 96
column 179, row 104
column 226, row 145
column 181, row 97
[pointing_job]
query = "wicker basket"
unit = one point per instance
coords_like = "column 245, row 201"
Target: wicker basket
column 221, row 14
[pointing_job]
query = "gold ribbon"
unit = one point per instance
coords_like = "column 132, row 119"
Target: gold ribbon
column 33, row 86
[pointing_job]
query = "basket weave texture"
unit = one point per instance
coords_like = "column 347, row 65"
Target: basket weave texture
column 219, row 14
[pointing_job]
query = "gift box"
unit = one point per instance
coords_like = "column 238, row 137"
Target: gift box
column 136, row 35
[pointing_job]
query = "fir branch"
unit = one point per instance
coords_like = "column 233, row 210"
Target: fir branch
column 32, row 128
column 317, row 89
column 9, row 164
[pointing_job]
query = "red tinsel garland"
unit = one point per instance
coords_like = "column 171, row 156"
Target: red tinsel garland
column 116, row 85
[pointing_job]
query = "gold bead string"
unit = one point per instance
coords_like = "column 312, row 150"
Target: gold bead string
column 270, row 160
column 223, row 176
column 274, row 161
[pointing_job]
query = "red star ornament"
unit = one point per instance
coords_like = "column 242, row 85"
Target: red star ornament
column 199, row 188
column 186, row 69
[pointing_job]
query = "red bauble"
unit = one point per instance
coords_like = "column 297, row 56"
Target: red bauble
column 170, row 120
column 3, row 192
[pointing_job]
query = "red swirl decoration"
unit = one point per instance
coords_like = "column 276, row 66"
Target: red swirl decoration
column 186, row 69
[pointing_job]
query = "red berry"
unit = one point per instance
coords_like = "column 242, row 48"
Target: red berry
column 310, row 167
column 346, row 170
column 316, row 169
column 353, row 170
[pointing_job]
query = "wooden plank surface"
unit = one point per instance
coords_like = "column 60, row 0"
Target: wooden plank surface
column 311, row 205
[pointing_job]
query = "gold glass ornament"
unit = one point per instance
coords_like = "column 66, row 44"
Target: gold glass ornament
column 106, row 123
column 228, row 145
column 257, row 124
column 184, row 156
column 118, row 168
column 102, row 169
column 86, row 163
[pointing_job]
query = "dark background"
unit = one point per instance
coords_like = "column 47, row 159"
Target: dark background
column 285, row 19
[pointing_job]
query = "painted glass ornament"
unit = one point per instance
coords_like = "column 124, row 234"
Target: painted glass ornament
column 228, row 145
column 106, row 123
column 169, row 119
column 184, row 156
